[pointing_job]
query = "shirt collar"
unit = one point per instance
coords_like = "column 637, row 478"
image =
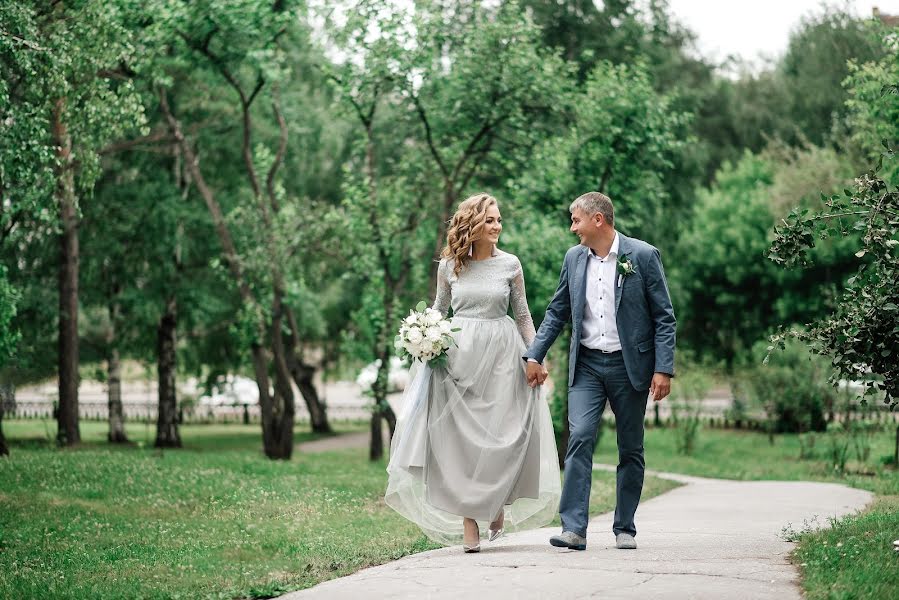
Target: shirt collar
column 613, row 251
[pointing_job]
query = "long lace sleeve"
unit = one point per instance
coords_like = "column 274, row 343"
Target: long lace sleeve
column 519, row 302
column 444, row 293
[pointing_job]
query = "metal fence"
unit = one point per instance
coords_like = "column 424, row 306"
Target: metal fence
column 344, row 401
column 148, row 411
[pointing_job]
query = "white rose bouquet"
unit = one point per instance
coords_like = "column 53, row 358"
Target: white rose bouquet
column 425, row 335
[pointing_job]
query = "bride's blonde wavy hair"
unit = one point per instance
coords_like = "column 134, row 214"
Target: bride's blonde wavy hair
column 466, row 227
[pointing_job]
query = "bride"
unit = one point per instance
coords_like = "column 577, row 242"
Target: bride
column 475, row 446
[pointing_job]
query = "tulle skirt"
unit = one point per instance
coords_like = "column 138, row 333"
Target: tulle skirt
column 473, row 439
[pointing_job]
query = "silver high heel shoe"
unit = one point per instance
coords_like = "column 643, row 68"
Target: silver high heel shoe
column 494, row 534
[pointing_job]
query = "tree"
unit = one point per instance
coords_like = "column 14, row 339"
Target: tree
column 137, row 267
column 485, row 92
column 724, row 290
column 726, row 295
column 620, row 141
column 624, row 32
column 451, row 95
column 376, row 210
column 816, row 63
column 9, row 337
column 222, row 48
column 860, row 335
column 872, row 108
column 63, row 68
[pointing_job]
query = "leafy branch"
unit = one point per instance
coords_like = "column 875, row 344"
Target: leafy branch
column 862, row 334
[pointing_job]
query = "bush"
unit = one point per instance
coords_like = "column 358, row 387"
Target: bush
column 838, row 446
column 792, row 388
column 807, row 446
column 686, row 405
column 861, row 433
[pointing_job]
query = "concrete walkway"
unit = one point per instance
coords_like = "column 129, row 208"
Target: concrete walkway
column 341, row 441
column 710, row 538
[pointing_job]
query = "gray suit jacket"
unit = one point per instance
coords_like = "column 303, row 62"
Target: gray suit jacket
column 643, row 313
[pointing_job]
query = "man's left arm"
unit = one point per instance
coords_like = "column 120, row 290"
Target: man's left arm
column 662, row 314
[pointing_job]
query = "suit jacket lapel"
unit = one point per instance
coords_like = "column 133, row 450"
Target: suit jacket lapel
column 623, row 248
column 580, row 281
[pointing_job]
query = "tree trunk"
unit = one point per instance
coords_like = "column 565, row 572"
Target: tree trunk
column 116, row 414
column 376, row 447
column 260, row 358
column 381, row 409
column 278, row 427
column 302, row 374
column 114, row 374
column 449, row 200
column 895, row 452
column 68, row 433
column 4, row 449
column 167, row 434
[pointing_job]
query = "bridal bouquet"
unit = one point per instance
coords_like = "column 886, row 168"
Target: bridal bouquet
column 425, row 335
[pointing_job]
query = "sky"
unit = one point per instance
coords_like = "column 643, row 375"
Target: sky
column 755, row 29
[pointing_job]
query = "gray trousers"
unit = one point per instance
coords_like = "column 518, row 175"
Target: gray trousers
column 599, row 378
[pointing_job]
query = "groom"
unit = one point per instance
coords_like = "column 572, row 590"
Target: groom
column 613, row 290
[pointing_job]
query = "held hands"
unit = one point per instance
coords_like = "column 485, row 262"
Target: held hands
column 536, row 374
column 660, row 386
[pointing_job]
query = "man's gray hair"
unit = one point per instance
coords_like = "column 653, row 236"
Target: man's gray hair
column 595, row 202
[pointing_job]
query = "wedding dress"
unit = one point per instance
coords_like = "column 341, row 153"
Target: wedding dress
column 472, row 437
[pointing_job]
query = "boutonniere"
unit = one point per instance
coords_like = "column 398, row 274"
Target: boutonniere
column 625, row 267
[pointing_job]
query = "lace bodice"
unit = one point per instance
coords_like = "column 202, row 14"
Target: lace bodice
column 484, row 290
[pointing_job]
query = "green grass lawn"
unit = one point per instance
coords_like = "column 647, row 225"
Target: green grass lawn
column 215, row 519
column 852, row 559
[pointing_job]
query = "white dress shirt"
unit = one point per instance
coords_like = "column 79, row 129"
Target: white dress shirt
column 599, row 329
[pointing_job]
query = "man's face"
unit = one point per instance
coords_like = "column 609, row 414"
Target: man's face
column 585, row 227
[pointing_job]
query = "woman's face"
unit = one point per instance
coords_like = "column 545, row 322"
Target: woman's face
column 493, row 225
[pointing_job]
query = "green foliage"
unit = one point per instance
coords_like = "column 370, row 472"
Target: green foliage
column 622, row 140
column 719, row 275
column 9, row 336
column 686, row 406
column 791, row 387
column 722, row 287
column 838, row 441
column 853, row 556
column 63, row 66
column 749, row 456
column 26, row 156
column 215, row 519
column 861, row 433
column 807, row 443
column 489, row 90
column 70, row 52
column 873, row 103
column 817, row 60
column 861, row 334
